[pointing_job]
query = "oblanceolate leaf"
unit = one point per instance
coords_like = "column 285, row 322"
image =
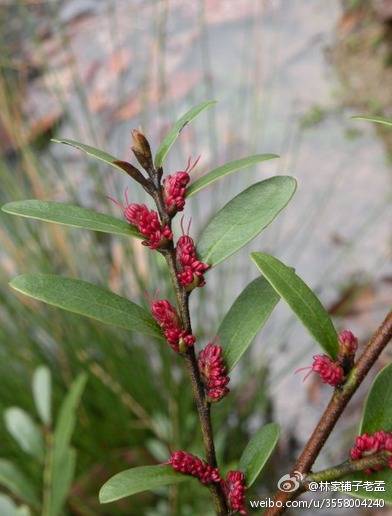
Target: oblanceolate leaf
column 244, row 217
column 136, row 480
column 377, row 415
column 174, row 132
column 92, row 151
column 258, row 451
column 301, row 300
column 248, row 314
column 225, row 170
column 42, row 393
column 87, row 299
column 17, row 483
column 70, row 215
column 25, row 432
column 376, row 119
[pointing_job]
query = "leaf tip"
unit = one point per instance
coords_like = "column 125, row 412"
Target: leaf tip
column 102, row 495
column 5, row 207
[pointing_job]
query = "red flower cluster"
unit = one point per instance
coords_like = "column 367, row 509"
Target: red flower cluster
column 191, row 270
column 191, row 465
column 234, row 487
column 348, row 343
column 368, row 444
column 147, row 222
column 334, row 372
column 174, row 188
column 329, row 371
column 167, row 318
column 213, row 371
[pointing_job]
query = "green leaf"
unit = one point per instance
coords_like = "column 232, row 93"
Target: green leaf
column 63, row 471
column 248, row 314
column 14, row 480
column 225, row 170
column 301, row 300
column 136, row 480
column 258, row 451
column 377, row 415
column 66, row 419
column 70, row 215
column 63, row 458
column 42, row 393
column 174, row 132
column 92, row 151
column 376, row 119
column 87, row 299
column 25, row 432
column 244, row 217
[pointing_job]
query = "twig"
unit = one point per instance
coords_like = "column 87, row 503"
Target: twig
column 349, row 466
column 202, row 405
column 336, row 406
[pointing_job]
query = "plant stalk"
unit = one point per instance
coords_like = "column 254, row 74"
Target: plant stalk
column 347, row 467
column 202, row 405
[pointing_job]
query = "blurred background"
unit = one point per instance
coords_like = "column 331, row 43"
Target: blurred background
column 288, row 76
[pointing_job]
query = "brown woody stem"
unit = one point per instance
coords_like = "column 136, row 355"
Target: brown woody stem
column 335, row 408
column 202, row 405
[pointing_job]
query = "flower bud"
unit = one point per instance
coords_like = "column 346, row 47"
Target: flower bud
column 348, row 344
column 141, row 149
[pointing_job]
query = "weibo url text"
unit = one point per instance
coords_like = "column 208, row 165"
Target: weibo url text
column 325, row 503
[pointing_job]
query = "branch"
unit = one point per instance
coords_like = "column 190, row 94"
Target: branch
column 347, row 467
column 335, row 408
column 202, row 405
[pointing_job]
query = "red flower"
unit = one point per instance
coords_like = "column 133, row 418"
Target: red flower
column 166, row 316
column 190, row 269
column 235, row 491
column 213, row 372
column 189, row 464
column 330, row 372
column 174, row 188
column 369, row 444
column 147, row 222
